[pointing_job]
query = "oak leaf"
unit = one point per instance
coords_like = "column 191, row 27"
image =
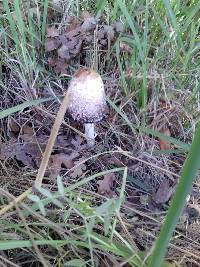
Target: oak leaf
column 105, row 186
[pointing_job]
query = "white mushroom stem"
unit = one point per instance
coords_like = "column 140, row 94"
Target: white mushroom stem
column 90, row 134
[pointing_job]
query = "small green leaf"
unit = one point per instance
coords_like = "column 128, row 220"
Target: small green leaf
column 75, row 263
column 41, row 207
column 91, row 223
column 22, row 106
column 61, row 188
column 57, row 203
column 34, row 198
column 44, row 192
column 107, row 207
column 106, row 224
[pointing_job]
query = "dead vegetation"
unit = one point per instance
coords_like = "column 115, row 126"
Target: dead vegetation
column 152, row 169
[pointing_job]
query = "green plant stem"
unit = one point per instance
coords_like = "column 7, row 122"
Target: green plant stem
column 188, row 174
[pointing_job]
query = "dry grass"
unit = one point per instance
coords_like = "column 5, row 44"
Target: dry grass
column 117, row 146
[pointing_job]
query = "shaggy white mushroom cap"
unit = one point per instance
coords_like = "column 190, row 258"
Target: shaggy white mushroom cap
column 87, row 99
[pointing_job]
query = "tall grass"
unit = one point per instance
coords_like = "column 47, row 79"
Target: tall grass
column 68, row 226
column 25, row 30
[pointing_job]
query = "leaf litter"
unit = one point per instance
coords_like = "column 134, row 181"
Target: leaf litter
column 64, row 50
column 68, row 42
column 27, row 149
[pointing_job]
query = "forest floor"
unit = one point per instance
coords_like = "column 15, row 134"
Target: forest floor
column 102, row 206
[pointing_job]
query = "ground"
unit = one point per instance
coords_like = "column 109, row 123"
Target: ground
column 100, row 206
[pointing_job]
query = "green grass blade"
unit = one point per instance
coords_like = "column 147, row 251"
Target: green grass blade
column 11, row 22
column 172, row 18
column 13, row 244
column 124, row 84
column 132, row 26
column 191, row 12
column 44, row 19
column 22, row 106
column 75, row 186
column 139, row 45
column 188, row 174
column 100, row 5
column 19, row 21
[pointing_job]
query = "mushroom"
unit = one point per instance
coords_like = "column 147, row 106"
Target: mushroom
column 87, row 101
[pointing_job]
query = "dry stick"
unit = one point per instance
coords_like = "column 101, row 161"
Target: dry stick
column 15, row 201
column 51, row 141
column 46, row 155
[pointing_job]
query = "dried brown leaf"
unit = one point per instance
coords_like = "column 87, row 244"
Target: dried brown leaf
column 27, row 130
column 13, row 126
column 89, row 24
column 28, row 153
column 51, row 44
column 7, row 150
column 118, row 26
column 79, row 169
column 52, row 32
column 163, row 193
column 193, row 212
column 56, row 161
column 71, row 23
column 109, row 31
column 51, row 61
column 105, row 186
column 164, row 145
column 63, row 52
column 59, row 65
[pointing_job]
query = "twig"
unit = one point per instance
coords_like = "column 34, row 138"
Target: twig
column 51, row 141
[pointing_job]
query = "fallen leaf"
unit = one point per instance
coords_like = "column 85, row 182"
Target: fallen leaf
column 193, row 212
column 164, row 145
column 71, row 23
column 78, row 169
column 105, row 186
column 51, row 44
column 85, row 14
column 77, row 141
column 27, row 153
column 52, row 32
column 13, row 126
column 163, row 193
column 59, row 65
column 63, row 52
column 7, row 149
column 56, row 161
column 52, row 61
column 109, row 31
column 88, row 24
column 76, row 35
column 27, row 130
column 118, row 26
